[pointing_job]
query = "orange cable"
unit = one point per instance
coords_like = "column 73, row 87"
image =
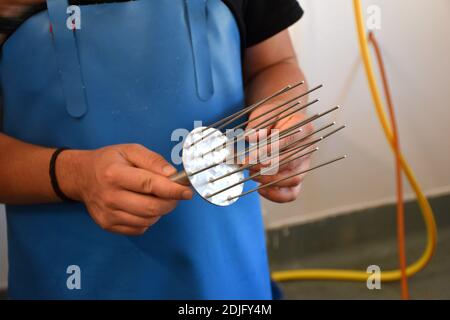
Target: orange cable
column 396, row 141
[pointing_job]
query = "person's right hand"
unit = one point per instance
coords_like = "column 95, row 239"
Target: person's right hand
column 125, row 188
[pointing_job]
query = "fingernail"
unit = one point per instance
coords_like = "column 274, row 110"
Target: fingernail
column 187, row 194
column 168, row 170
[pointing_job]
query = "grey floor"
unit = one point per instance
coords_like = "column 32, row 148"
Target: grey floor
column 431, row 283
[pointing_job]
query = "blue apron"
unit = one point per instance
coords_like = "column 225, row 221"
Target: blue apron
column 133, row 73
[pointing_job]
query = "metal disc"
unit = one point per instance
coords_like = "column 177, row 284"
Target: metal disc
column 194, row 161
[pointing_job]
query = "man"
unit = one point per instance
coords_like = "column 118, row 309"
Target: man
column 102, row 219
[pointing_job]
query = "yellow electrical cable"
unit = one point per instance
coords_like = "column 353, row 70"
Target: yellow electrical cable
column 427, row 212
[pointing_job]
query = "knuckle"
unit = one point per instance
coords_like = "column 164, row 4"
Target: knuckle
column 292, row 165
column 139, row 231
column 167, row 208
column 127, row 232
column 109, row 174
column 155, row 159
column 134, row 146
column 291, row 139
column 172, row 205
column 146, row 223
column 152, row 159
column 108, row 199
column 104, row 223
column 152, row 221
column 261, row 179
column 147, row 184
column 296, row 180
column 171, row 194
column 152, row 208
column 293, row 195
column 177, row 193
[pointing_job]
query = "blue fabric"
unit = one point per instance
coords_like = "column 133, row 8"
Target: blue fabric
column 196, row 10
column 67, row 59
column 137, row 64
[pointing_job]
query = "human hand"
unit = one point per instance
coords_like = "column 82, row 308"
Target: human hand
column 287, row 190
column 125, row 188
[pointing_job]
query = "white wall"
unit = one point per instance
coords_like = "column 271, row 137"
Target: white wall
column 416, row 47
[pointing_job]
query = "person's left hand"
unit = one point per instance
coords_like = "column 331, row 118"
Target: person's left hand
column 289, row 189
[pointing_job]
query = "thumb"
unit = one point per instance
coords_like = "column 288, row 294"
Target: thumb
column 144, row 158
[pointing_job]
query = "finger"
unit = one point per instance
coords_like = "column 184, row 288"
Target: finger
column 122, row 218
column 255, row 118
column 263, row 150
column 290, row 122
column 294, row 120
column 284, row 123
column 289, row 140
column 143, row 181
column 292, row 182
column 294, row 162
column 257, row 144
column 144, row 158
column 253, row 134
column 141, row 205
column 268, row 168
column 283, row 171
column 128, row 231
column 275, row 146
column 280, row 195
column 291, row 161
column 255, row 156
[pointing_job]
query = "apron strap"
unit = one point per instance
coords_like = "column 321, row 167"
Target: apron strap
column 67, row 58
column 198, row 28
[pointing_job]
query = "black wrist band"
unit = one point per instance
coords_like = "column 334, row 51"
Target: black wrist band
column 53, row 178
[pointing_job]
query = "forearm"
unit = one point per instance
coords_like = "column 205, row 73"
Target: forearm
column 275, row 77
column 24, row 172
column 15, row 7
column 269, row 67
column 125, row 188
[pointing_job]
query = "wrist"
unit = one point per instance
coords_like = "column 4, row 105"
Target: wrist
column 70, row 172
